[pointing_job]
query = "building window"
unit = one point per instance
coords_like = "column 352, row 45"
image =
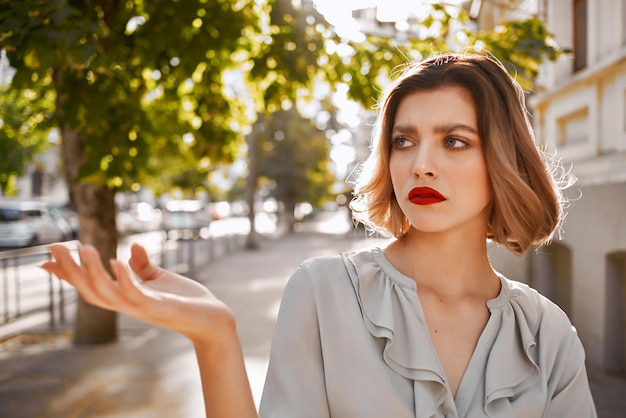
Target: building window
column 573, row 127
column 580, row 34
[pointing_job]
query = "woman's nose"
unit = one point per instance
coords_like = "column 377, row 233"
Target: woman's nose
column 425, row 164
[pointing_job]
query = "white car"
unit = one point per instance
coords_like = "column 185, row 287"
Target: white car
column 28, row 223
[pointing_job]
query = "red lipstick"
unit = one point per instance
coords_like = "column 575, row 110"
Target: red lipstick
column 425, row 196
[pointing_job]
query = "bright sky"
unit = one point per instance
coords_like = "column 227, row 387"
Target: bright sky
column 339, row 12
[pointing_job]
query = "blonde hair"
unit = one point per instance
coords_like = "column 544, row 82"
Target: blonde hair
column 527, row 203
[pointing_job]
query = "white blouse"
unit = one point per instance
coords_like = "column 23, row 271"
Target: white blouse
column 351, row 341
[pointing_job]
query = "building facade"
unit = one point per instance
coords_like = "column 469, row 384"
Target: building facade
column 579, row 110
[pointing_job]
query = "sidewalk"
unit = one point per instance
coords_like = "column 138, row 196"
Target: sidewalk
column 152, row 372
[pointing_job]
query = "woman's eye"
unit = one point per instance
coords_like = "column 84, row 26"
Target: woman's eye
column 453, row 142
column 400, row 142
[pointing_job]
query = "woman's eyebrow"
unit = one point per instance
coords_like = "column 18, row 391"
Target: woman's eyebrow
column 441, row 128
column 404, row 129
column 447, row 128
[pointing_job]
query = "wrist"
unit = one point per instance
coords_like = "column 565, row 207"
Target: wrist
column 220, row 339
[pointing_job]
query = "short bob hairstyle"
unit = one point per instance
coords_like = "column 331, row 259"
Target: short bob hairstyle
column 527, row 203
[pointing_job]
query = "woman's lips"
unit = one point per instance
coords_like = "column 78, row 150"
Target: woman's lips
column 425, row 196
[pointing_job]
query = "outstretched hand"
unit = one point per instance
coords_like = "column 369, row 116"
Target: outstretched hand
column 172, row 301
column 158, row 296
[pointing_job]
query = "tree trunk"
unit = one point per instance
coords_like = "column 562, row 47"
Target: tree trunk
column 95, row 206
column 290, row 215
column 96, row 213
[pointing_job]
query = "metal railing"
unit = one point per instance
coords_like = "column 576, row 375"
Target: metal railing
column 191, row 249
column 24, row 286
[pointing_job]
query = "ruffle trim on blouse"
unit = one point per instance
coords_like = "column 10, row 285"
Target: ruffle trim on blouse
column 391, row 310
column 512, row 363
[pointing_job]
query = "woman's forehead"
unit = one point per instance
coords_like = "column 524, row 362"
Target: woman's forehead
column 448, row 104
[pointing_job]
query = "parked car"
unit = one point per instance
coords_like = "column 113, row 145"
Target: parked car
column 184, row 215
column 181, row 220
column 28, row 223
column 139, row 217
column 219, row 210
column 64, row 213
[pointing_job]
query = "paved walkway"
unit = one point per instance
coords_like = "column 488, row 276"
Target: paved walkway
column 152, row 372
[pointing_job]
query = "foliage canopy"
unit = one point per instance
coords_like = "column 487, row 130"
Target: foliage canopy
column 157, row 86
column 293, row 156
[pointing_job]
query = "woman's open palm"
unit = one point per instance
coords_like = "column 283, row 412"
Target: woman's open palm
column 159, row 296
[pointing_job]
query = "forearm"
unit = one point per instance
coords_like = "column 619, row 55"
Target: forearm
column 225, row 384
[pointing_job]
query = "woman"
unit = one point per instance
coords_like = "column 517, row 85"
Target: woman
column 423, row 327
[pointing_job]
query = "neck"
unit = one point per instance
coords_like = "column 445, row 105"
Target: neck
column 450, row 265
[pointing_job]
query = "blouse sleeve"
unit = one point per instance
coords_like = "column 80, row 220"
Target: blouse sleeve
column 568, row 382
column 294, row 386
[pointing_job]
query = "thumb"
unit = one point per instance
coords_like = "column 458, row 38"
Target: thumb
column 140, row 263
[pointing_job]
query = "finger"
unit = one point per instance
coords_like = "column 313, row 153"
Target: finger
column 51, row 267
column 93, row 263
column 64, row 266
column 141, row 302
column 128, row 287
column 140, row 263
column 101, row 287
